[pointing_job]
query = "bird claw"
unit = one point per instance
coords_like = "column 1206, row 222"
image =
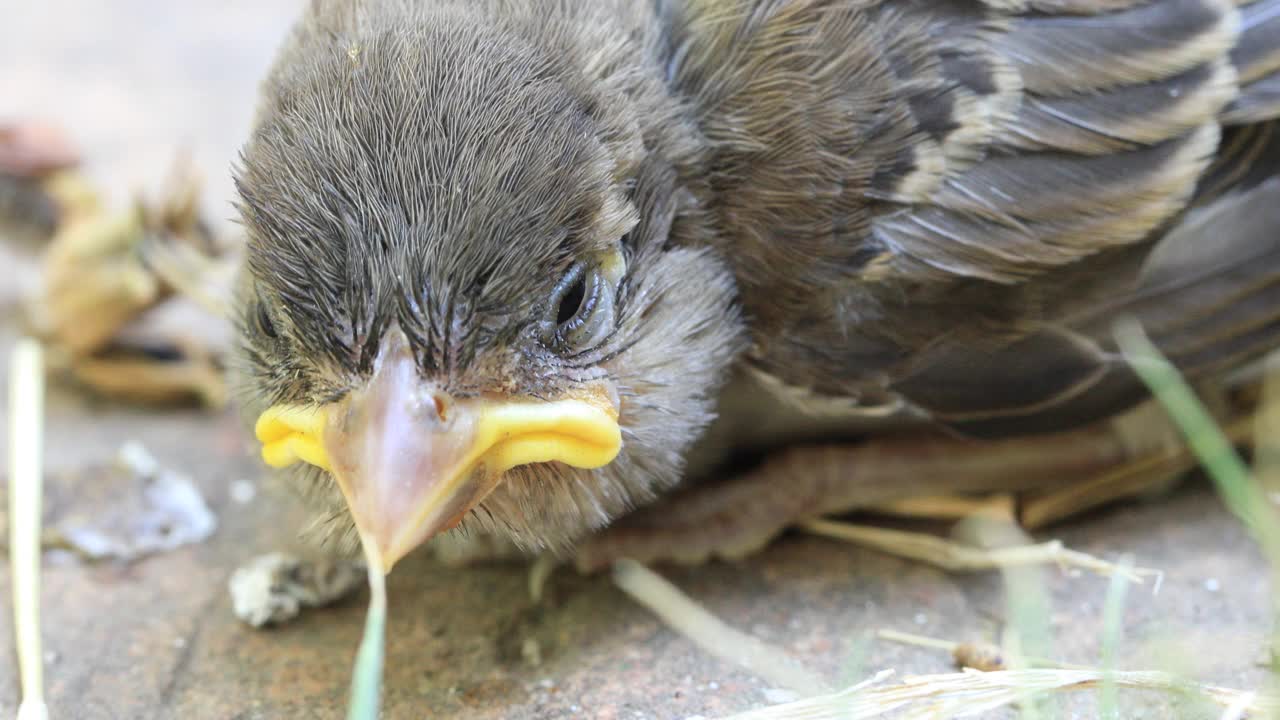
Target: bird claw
column 679, row 545
column 728, row 520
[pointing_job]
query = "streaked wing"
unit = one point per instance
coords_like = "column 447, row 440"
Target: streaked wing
column 949, row 202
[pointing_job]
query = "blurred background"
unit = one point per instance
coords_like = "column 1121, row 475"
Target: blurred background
column 135, row 82
column 139, row 87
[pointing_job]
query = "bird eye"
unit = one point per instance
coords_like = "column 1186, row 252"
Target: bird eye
column 262, row 317
column 572, row 300
column 581, row 308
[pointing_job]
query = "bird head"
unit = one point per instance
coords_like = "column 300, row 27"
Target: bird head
column 464, row 301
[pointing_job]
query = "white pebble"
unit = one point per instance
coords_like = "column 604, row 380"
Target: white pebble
column 1212, row 585
column 777, row 696
column 922, row 619
column 138, row 460
column 243, row 492
column 713, row 685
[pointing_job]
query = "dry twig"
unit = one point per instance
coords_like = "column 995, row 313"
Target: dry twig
column 709, row 632
column 958, row 557
column 973, row 694
column 976, row 655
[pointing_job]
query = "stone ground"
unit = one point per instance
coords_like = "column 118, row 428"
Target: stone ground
column 138, row 80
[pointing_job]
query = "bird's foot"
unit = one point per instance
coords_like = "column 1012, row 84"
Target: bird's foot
column 738, row 516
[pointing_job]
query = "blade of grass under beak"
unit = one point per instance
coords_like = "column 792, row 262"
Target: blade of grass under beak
column 26, row 479
column 366, row 680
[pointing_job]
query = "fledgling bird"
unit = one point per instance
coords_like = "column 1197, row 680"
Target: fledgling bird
column 509, row 260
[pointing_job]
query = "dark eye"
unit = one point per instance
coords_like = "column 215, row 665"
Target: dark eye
column 571, row 302
column 581, row 309
column 262, row 317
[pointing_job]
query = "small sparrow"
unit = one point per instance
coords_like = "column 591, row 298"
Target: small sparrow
column 509, row 260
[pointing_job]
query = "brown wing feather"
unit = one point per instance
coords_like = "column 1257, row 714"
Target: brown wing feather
column 918, row 194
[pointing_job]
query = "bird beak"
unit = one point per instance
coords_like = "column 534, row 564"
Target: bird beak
column 412, row 462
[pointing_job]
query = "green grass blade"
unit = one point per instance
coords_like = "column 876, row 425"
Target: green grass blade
column 1112, row 633
column 366, row 680
column 1240, row 492
column 1224, row 466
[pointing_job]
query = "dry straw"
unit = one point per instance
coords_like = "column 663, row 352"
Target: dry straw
column 26, row 478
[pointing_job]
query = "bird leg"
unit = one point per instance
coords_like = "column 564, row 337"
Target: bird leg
column 737, row 516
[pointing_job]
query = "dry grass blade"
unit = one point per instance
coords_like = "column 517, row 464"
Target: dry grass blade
column 1125, row 481
column 1128, row 480
column 973, row 693
column 26, row 477
column 965, row 653
column 709, row 632
column 958, row 557
column 1239, row 708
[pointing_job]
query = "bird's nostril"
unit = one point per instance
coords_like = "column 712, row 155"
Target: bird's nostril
column 442, row 407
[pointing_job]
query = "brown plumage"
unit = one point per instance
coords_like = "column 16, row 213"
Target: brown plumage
column 930, row 209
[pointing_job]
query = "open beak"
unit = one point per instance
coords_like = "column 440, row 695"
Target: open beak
column 412, row 462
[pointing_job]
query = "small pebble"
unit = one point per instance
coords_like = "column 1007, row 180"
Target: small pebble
column 922, row 619
column 1212, row 585
column 58, row 557
column 243, row 492
column 777, row 696
column 139, row 460
column 50, row 657
column 546, row 683
column 275, row 587
column 713, row 685
column 179, row 642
